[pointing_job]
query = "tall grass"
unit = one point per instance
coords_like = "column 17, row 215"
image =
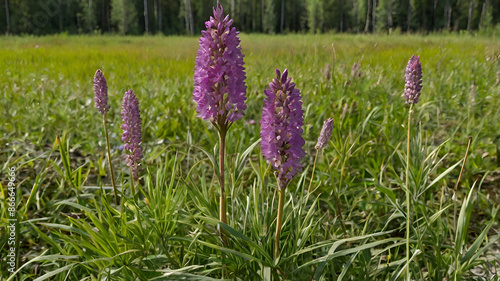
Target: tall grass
column 70, row 229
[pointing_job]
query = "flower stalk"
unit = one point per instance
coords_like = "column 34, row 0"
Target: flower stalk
column 279, row 222
column 219, row 83
column 222, row 153
column 101, row 103
column 413, row 88
column 109, row 158
column 132, row 135
column 408, row 197
column 281, row 133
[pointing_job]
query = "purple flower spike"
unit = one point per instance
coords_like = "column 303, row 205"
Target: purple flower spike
column 326, row 133
column 101, row 92
column 219, row 78
column 413, row 80
column 281, row 127
column 132, row 135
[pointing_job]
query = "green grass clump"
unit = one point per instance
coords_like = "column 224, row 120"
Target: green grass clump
column 70, row 228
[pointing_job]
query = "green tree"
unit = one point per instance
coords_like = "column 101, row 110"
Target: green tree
column 124, row 16
column 269, row 17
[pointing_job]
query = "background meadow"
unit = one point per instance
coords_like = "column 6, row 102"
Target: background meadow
column 70, row 228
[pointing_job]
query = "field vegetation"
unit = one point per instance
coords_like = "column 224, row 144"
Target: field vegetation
column 71, row 229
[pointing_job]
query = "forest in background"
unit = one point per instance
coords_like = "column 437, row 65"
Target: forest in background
column 177, row 17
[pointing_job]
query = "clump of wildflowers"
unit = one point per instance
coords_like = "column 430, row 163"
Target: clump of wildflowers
column 281, row 127
column 219, row 79
column 101, row 92
column 413, row 80
column 132, row 135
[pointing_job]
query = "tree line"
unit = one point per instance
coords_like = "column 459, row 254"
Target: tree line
column 136, row 17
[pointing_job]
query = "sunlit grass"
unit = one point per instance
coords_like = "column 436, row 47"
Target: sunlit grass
column 47, row 90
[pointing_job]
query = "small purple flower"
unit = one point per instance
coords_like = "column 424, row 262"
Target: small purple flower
column 355, row 70
column 101, row 92
column 326, row 72
column 413, row 80
column 132, row 135
column 219, row 78
column 326, row 133
column 281, row 127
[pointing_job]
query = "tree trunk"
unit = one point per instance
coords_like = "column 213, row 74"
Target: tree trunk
column 90, row 16
column 124, row 11
column 434, row 15
column 356, row 15
column 59, row 9
column 374, row 14
column 103, row 14
column 7, row 15
column 282, row 15
column 367, row 24
column 189, row 17
column 390, row 20
column 146, row 20
column 254, row 27
column 469, row 19
column 408, row 24
column 262, row 10
column 447, row 14
column 233, row 7
column 160, row 24
column 423, row 24
column 341, row 16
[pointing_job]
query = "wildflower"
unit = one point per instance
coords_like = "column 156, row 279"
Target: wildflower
column 326, row 133
column 219, row 86
column 326, row 72
column 132, row 135
column 355, row 70
column 101, row 103
column 413, row 80
column 219, row 83
column 281, row 127
column 101, row 92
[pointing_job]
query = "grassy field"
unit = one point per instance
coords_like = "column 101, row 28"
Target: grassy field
column 70, row 229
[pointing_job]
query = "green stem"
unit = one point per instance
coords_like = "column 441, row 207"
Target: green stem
column 109, row 158
column 132, row 182
column 279, row 221
column 336, row 196
column 337, row 206
column 456, row 186
column 222, row 150
column 312, row 175
column 455, row 201
column 408, row 198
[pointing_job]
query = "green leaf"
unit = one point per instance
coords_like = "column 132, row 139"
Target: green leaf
column 245, row 238
column 66, row 228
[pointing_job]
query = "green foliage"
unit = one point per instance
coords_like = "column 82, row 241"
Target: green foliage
column 70, row 228
column 185, row 16
column 315, row 17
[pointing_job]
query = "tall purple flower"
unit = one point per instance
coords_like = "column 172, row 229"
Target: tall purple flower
column 281, row 127
column 326, row 133
column 101, row 92
column 132, row 135
column 413, row 80
column 219, row 86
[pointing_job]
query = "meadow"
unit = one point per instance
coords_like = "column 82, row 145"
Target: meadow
column 70, row 228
